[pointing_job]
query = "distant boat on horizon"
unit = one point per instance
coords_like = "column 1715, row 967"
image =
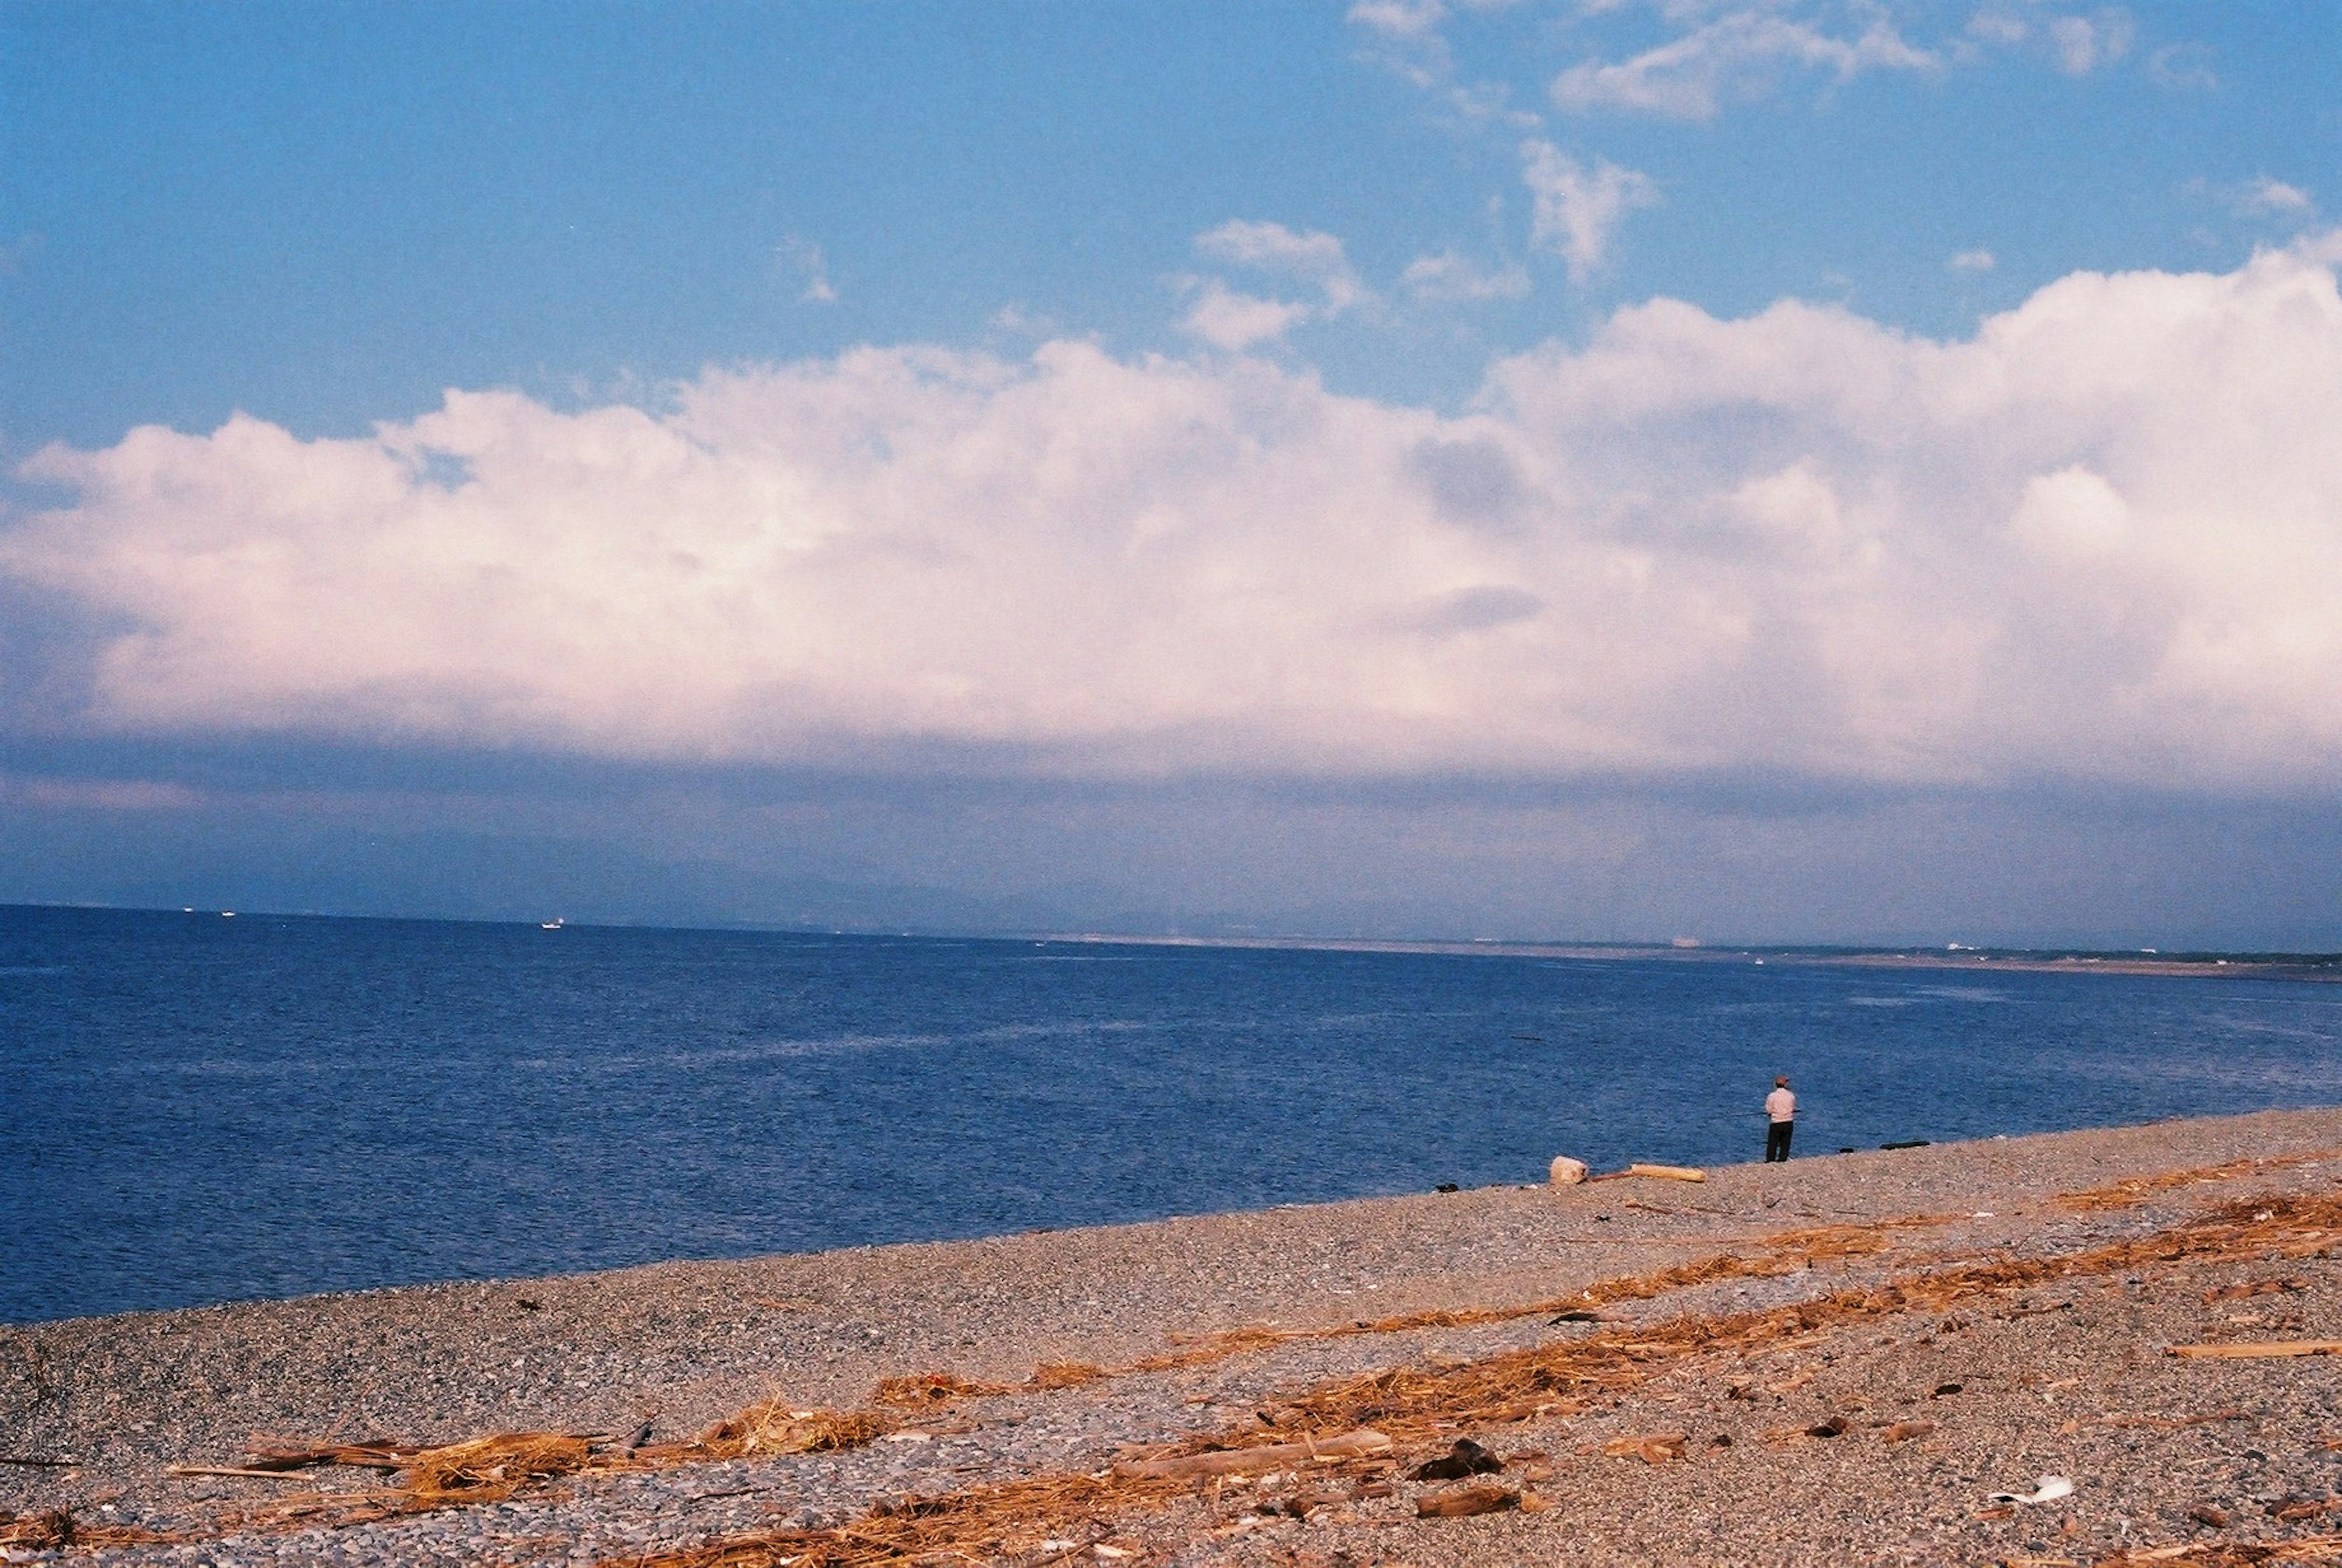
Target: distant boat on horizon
column 556, row 924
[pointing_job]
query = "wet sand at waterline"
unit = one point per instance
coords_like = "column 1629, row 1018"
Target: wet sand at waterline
column 1858, row 1358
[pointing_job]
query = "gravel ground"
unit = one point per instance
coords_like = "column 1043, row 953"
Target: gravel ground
column 2067, row 1380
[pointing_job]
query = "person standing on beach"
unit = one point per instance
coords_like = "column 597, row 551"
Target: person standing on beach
column 1781, row 1120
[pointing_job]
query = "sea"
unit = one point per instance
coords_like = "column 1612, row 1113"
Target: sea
column 198, row 1108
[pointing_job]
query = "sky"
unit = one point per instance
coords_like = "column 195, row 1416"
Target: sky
column 1752, row 469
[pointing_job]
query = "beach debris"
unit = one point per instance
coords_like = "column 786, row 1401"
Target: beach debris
column 1581, row 1314
column 2248, row 1350
column 244, row 1472
column 2137, row 1190
column 1904, row 1431
column 1836, row 1426
column 295, row 1454
column 2045, row 1489
column 1446, row 1187
column 1302, row 1504
column 2210, row 1516
column 1667, row 1173
column 1358, row 1444
column 37, row 1532
column 1466, row 1459
column 1466, row 1503
column 1650, row 1447
column 2300, row 1505
column 2251, row 1288
column 922, row 1388
column 498, row 1466
column 1567, row 1171
column 1945, row 1390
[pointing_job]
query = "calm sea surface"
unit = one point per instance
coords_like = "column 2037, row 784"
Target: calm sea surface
column 200, row 1109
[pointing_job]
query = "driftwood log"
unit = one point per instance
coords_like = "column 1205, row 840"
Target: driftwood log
column 1359, row 1445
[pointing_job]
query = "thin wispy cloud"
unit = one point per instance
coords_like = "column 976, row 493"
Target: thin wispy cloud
column 2075, row 42
column 2184, row 66
column 1743, row 55
column 1450, row 278
column 2262, row 195
column 1229, row 319
column 2083, row 44
column 1972, row 260
column 812, row 269
column 1575, row 210
column 1313, row 257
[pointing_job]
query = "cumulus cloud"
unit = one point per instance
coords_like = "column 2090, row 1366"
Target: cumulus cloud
column 1742, row 55
column 2099, row 542
column 1451, row 278
column 1575, row 210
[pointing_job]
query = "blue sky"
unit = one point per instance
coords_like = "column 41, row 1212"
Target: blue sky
column 1769, row 470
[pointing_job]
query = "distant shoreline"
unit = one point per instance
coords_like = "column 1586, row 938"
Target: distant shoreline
column 2309, row 967
column 2237, row 963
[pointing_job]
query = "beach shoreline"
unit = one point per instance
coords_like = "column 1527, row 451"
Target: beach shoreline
column 681, row 1347
column 2310, row 967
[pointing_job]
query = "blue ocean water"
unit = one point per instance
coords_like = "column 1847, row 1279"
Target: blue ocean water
column 201, row 1109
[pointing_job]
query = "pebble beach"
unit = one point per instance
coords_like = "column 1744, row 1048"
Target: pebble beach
column 2094, row 1347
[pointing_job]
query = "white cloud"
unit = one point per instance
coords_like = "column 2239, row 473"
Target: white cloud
column 2074, row 42
column 1996, row 25
column 1226, row 319
column 2101, row 541
column 1409, row 19
column 1450, row 278
column 2082, row 44
column 1740, row 55
column 1315, row 257
column 2266, row 195
column 812, row 267
column 1972, row 260
column 2186, row 67
column 1576, row 211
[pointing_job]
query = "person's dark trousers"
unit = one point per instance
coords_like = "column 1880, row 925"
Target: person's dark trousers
column 1777, row 1141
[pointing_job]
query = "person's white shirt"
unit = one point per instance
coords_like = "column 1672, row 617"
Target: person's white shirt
column 1781, row 1105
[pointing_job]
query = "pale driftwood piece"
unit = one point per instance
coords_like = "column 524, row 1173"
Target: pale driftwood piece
column 248, row 1474
column 1356, row 1444
column 1669, row 1173
column 361, row 1455
column 2246, row 1350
